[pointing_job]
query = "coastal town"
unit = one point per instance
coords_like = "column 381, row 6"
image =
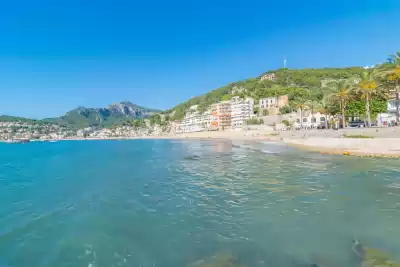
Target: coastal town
column 235, row 115
column 276, row 101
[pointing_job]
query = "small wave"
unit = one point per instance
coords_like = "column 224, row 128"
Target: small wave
column 268, row 152
column 193, row 157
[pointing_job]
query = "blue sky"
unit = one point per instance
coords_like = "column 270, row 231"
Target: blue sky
column 55, row 57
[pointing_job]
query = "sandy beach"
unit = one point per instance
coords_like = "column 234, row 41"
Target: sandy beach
column 382, row 142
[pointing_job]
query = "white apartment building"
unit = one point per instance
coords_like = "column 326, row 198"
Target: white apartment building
column 242, row 110
column 388, row 118
column 195, row 122
column 205, row 120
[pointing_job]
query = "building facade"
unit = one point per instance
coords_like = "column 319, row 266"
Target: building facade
column 242, row 110
column 274, row 102
column 310, row 120
column 388, row 118
column 213, row 117
column 224, row 115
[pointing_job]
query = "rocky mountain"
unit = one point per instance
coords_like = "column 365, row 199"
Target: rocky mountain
column 114, row 113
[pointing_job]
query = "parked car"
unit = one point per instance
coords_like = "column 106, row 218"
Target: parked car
column 358, row 124
column 322, row 125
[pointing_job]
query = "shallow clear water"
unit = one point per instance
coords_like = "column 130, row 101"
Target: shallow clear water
column 175, row 203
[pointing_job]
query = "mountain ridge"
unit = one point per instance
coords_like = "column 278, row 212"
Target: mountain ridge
column 81, row 117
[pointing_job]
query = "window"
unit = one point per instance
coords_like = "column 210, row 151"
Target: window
column 298, row 120
column 322, row 119
column 313, row 120
column 304, row 119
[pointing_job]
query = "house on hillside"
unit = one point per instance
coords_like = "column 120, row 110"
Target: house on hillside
column 273, row 104
column 268, row 76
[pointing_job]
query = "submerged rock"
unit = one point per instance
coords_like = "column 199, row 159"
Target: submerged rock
column 371, row 257
column 220, row 260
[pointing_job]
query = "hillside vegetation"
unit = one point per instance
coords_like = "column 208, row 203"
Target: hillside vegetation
column 302, row 83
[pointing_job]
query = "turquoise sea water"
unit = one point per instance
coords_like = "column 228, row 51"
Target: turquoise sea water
column 177, row 203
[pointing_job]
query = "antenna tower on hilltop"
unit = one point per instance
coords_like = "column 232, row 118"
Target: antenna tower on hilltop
column 284, row 62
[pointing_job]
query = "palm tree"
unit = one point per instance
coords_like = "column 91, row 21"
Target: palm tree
column 313, row 105
column 300, row 104
column 323, row 108
column 340, row 91
column 367, row 87
column 391, row 71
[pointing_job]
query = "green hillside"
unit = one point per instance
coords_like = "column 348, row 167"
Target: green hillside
column 296, row 83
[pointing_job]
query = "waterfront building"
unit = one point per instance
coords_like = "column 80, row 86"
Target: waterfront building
column 213, row 118
column 388, row 118
column 242, row 110
column 194, row 121
column 224, row 115
column 311, row 120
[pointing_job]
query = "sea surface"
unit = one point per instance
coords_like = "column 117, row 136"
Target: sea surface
column 186, row 203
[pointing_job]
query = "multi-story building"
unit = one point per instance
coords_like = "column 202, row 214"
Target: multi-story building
column 274, row 102
column 242, row 110
column 224, row 114
column 205, row 120
column 194, row 121
column 214, row 117
column 389, row 118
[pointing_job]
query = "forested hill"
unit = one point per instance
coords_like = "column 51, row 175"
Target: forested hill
column 294, row 82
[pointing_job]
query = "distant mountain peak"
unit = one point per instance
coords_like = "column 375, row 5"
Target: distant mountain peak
column 126, row 103
column 117, row 112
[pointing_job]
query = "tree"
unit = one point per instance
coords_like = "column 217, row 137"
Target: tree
column 312, row 105
column 391, row 71
column 301, row 105
column 323, row 107
column 255, row 121
column 285, row 110
column 367, row 87
column 226, row 97
column 257, row 110
column 340, row 91
column 265, row 112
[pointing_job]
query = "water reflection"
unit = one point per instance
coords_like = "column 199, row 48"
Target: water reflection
column 305, row 204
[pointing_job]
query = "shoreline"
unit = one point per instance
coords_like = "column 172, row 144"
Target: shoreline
column 373, row 147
